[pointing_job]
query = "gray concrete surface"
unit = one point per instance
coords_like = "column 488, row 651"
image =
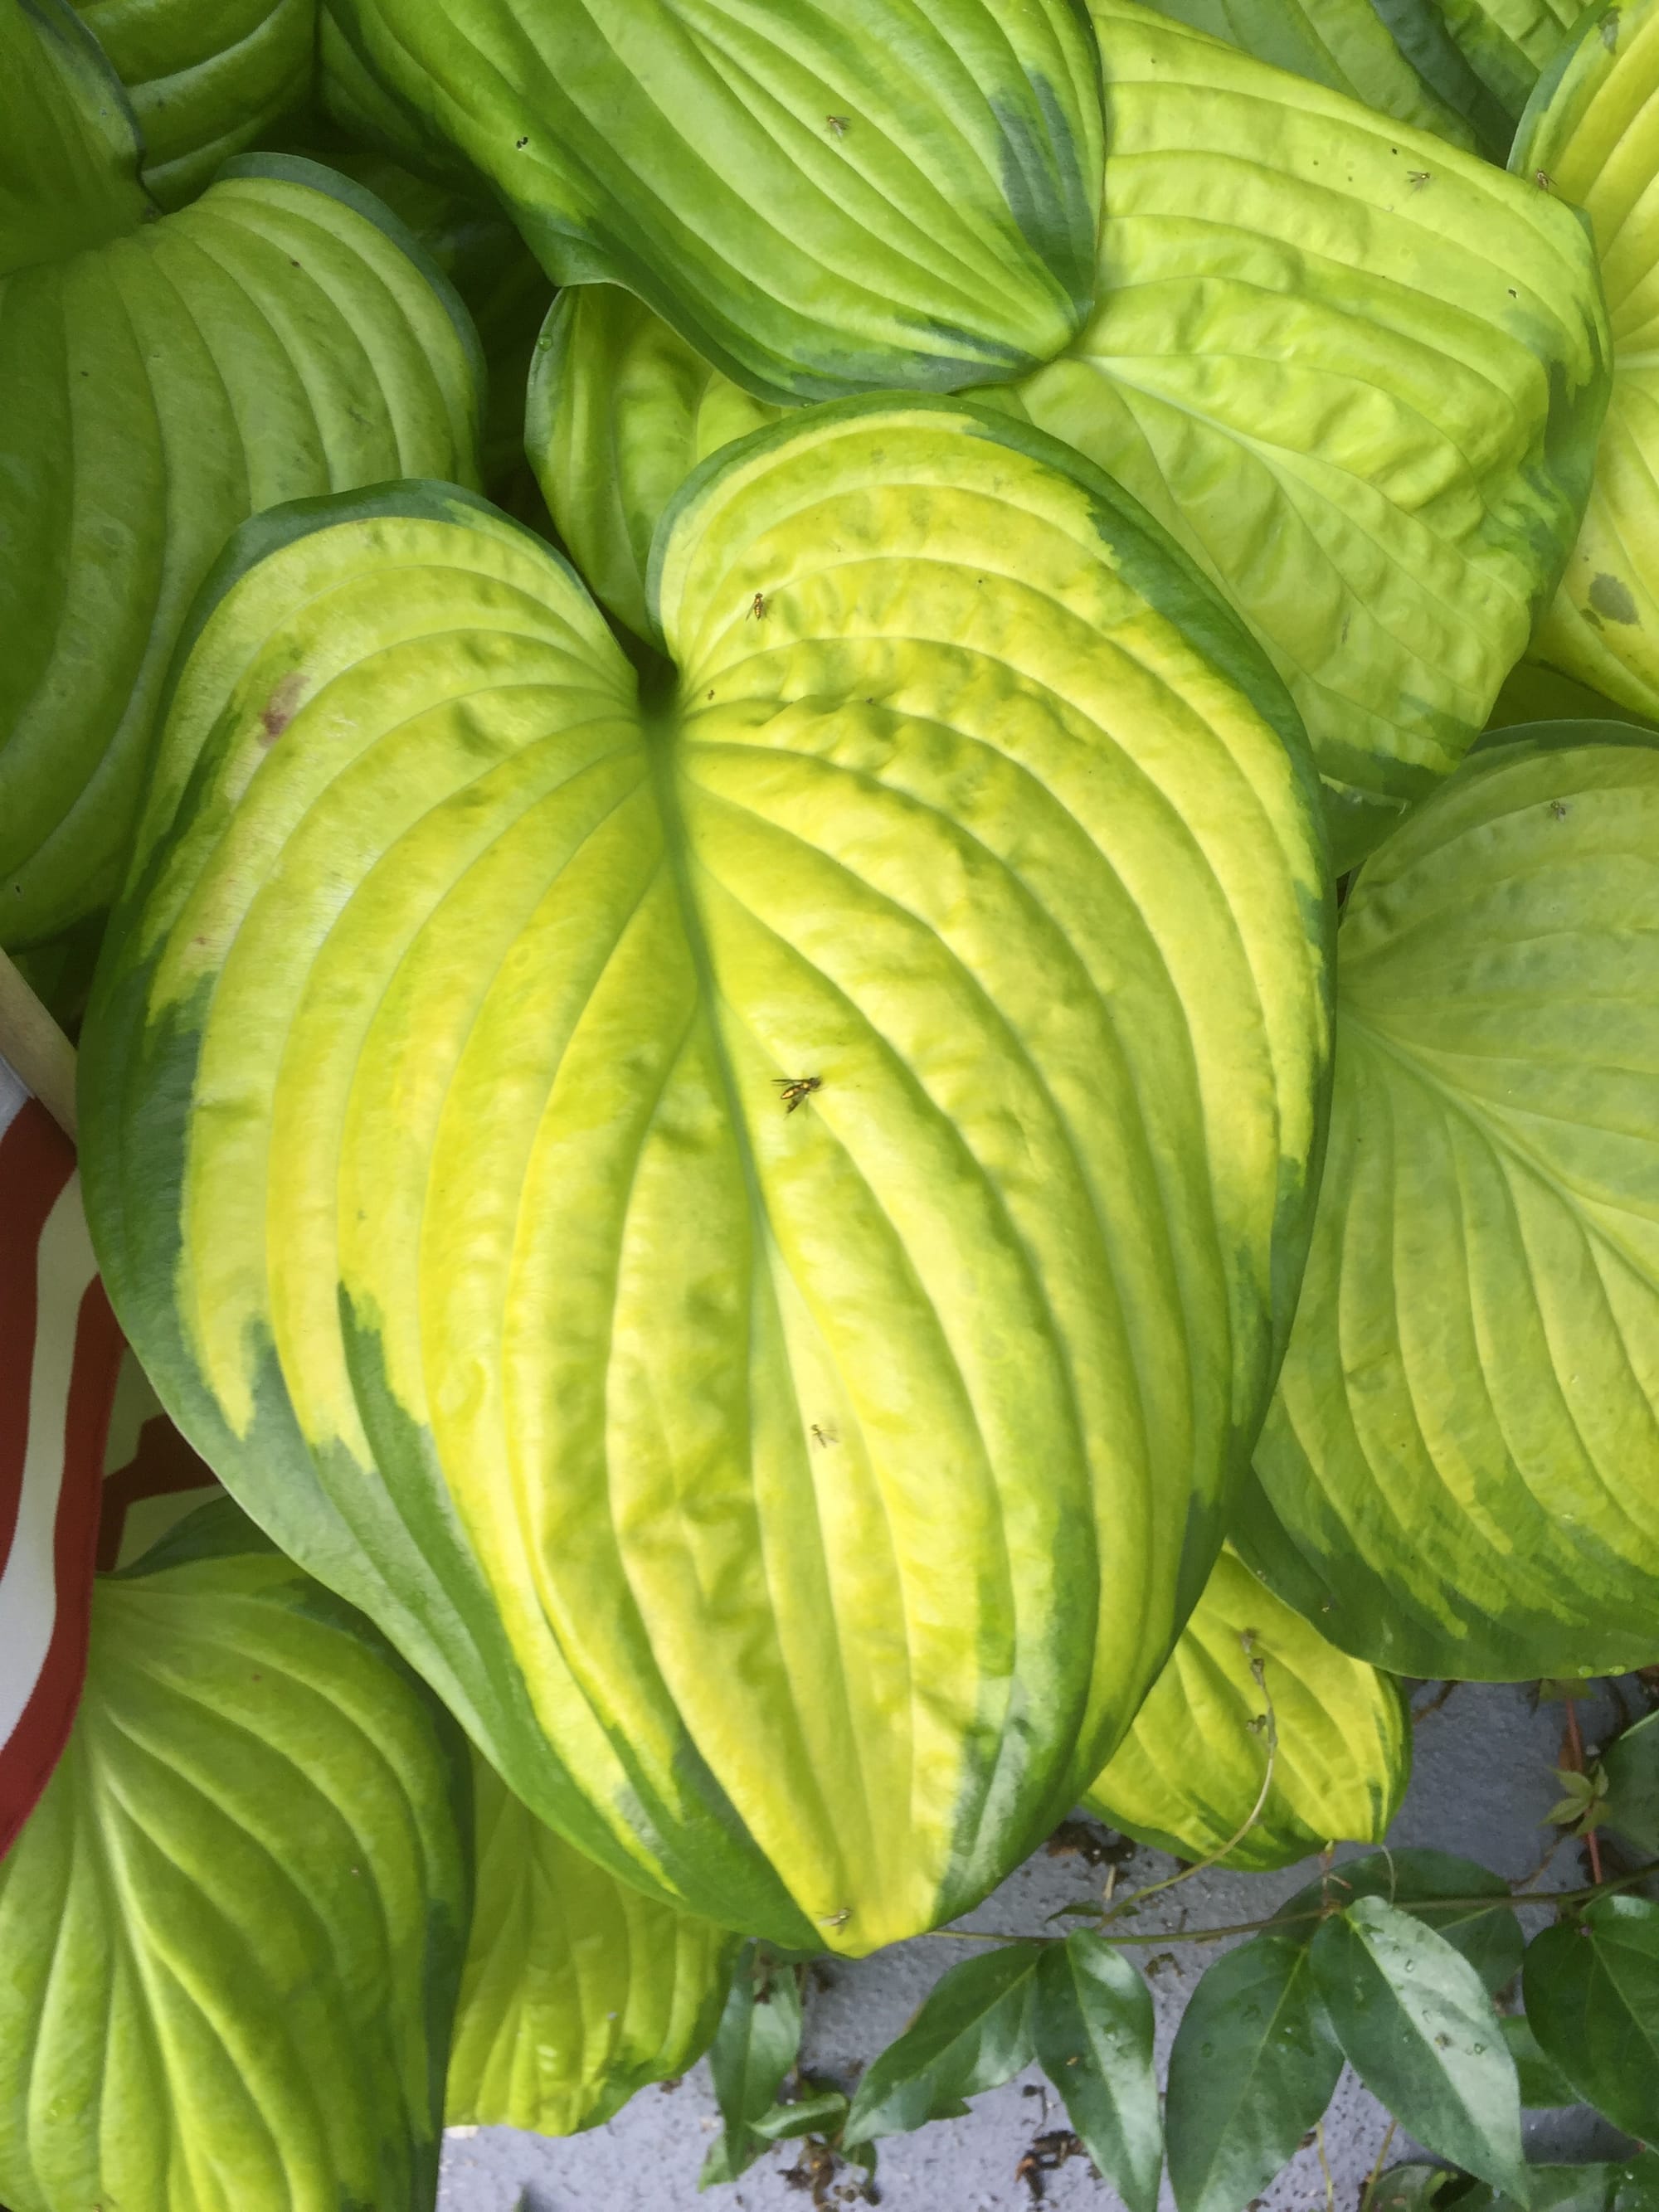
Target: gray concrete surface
column 1481, row 1785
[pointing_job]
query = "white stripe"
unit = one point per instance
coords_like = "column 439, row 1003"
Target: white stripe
column 29, row 1584
column 13, row 1093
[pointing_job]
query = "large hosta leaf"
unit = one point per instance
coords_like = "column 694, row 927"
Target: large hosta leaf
column 1460, row 1474
column 207, row 78
column 577, row 1990
column 1595, row 132
column 795, row 1487
column 233, row 1928
column 276, row 339
column 823, row 201
column 1190, row 1772
column 1357, row 373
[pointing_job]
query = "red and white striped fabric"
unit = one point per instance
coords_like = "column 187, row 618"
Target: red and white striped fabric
column 60, row 1353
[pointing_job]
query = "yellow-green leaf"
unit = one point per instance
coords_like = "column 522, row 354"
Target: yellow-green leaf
column 1592, row 135
column 1190, row 1772
column 749, row 1217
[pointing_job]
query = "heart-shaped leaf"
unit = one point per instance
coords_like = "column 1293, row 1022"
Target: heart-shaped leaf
column 280, row 337
column 1593, row 135
column 577, row 1990
column 1191, row 1771
column 1451, row 1480
column 790, row 1179
column 233, row 1927
column 1419, row 2031
column 821, row 202
column 1592, row 1992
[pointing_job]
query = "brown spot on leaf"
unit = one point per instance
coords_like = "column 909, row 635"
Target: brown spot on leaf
column 281, row 707
column 1610, row 596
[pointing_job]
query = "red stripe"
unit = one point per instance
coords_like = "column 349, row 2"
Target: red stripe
column 30, row 1753
column 162, row 1465
column 36, row 1161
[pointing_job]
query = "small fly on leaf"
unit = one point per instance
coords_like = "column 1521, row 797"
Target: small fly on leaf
column 1542, row 179
column 1417, row 178
column 796, row 1088
column 837, row 125
column 758, row 607
column 1558, row 809
column 837, row 1919
column 823, row 1438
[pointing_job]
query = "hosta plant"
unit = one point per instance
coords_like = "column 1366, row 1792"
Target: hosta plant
column 233, row 1928
column 578, row 1150
column 1357, row 373
column 160, row 381
column 1260, row 1742
column 1454, row 1476
column 1592, row 135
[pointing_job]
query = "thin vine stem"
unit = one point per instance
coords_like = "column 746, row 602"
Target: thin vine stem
column 1169, row 1937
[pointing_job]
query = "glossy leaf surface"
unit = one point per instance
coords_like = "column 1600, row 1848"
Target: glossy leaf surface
column 274, row 339
column 1418, row 2028
column 973, row 2032
column 1092, row 2031
column 233, row 1928
column 1543, row 2085
column 1190, row 1772
column 1459, row 1473
column 1592, row 1989
column 822, row 202
column 1594, row 131
column 1488, row 1936
column 1357, row 373
column 577, row 1991
column 1254, row 2066
column 680, row 1107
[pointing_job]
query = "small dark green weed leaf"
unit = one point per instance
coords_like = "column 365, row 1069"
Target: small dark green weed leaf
column 1093, row 2029
column 1419, row 2029
column 1632, row 1766
column 1419, row 2187
column 1592, row 1993
column 1542, row 2082
column 1254, row 2066
column 821, row 2112
column 1487, row 1937
column 754, row 2048
column 973, row 2034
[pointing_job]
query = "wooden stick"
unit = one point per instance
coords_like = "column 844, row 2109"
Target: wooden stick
column 36, row 1049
